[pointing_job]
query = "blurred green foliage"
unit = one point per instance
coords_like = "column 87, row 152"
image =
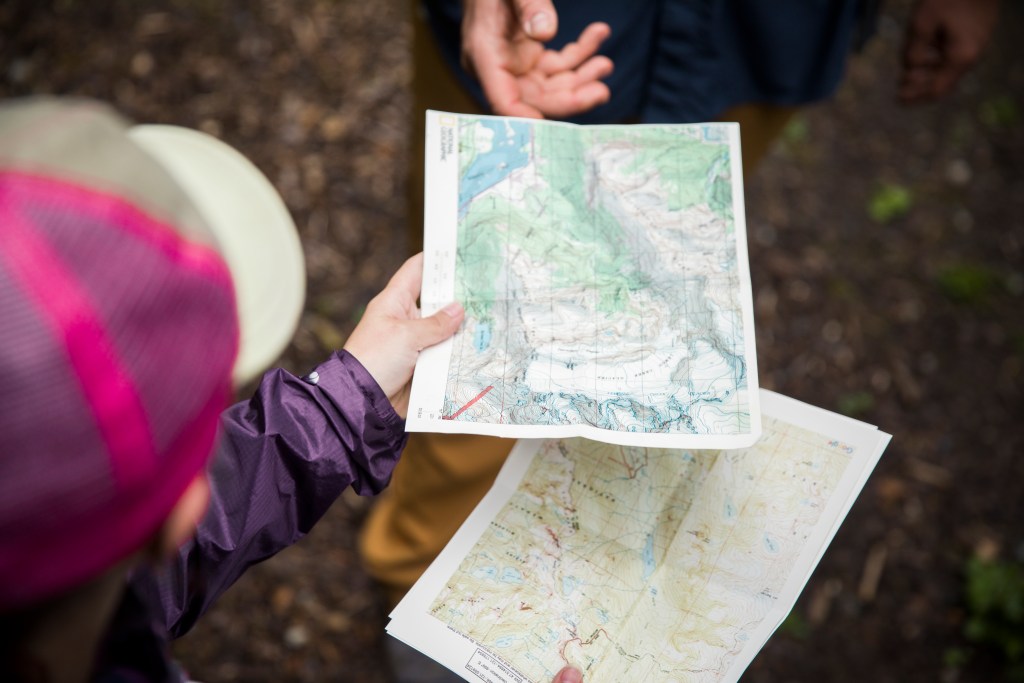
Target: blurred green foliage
column 999, row 112
column 795, row 626
column 968, row 283
column 856, row 403
column 796, row 131
column 890, row 202
column 1017, row 342
column 994, row 593
column 956, row 657
column 842, row 289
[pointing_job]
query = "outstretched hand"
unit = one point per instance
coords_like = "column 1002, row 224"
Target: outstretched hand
column 389, row 338
column 503, row 46
column 944, row 39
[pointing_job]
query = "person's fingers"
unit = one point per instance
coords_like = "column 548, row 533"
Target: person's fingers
column 409, row 278
column 538, row 18
column 920, row 57
column 568, row 675
column 945, row 78
column 568, row 93
column 926, row 79
column 398, row 298
column 921, row 52
column 561, row 96
column 505, row 95
column 947, row 38
column 437, row 327
column 564, row 96
column 574, row 54
column 919, row 45
column 959, row 54
column 513, row 105
column 595, row 69
column 503, row 91
column 592, row 71
column 522, row 110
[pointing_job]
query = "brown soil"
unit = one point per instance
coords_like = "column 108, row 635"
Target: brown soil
column 912, row 323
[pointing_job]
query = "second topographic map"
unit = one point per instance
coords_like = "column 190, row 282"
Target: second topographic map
column 605, row 278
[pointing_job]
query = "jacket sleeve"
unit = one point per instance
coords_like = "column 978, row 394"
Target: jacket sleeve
column 282, row 458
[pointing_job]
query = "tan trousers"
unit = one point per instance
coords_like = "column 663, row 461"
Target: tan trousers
column 442, row 477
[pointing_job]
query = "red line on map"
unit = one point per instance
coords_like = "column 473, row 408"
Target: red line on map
column 466, row 407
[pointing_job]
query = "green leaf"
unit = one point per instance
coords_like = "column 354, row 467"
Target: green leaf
column 956, row 657
column 795, row 626
column 995, row 603
column 999, row 112
column 856, row 403
column 889, row 203
column 796, row 131
column 968, row 283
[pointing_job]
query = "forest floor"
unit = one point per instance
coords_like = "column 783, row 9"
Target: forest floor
column 886, row 255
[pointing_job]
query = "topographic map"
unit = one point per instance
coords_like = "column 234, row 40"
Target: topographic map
column 605, row 278
column 640, row 564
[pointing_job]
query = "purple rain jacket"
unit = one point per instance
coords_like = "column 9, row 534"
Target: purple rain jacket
column 282, row 459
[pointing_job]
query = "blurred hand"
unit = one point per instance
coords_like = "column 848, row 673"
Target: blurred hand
column 568, row 675
column 503, row 46
column 944, row 39
column 389, row 338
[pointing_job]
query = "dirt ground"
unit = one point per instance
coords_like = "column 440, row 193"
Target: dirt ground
column 886, row 254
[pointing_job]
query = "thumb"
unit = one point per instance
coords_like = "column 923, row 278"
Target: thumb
column 438, row 327
column 538, row 18
column 568, row 675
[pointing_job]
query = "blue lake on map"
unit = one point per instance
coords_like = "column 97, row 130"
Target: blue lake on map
column 482, row 336
column 508, row 152
column 648, row 557
column 511, row 575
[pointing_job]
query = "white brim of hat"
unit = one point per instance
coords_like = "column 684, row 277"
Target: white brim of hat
column 255, row 232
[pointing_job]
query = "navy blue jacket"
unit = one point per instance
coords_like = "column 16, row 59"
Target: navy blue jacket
column 685, row 61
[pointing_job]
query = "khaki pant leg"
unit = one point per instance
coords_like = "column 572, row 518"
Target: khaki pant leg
column 760, row 125
column 441, row 477
column 434, row 86
column 438, row 482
